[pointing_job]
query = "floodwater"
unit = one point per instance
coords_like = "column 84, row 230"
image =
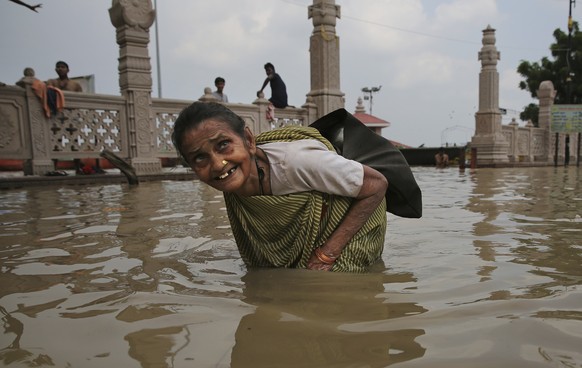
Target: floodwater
column 113, row 276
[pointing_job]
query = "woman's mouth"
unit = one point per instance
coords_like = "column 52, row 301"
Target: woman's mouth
column 226, row 174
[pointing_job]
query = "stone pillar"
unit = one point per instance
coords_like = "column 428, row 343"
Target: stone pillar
column 132, row 20
column 492, row 148
column 325, row 59
column 261, row 124
column 311, row 110
column 41, row 162
column 546, row 95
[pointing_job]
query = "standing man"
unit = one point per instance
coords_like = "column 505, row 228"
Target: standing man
column 278, row 88
column 221, row 96
column 63, row 82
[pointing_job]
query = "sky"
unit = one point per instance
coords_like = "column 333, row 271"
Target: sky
column 423, row 53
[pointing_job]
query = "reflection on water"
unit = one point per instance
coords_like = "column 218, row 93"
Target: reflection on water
column 301, row 320
column 108, row 275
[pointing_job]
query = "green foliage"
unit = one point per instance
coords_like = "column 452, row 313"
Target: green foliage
column 530, row 112
column 568, row 85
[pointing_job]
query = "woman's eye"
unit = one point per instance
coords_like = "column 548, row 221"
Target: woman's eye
column 199, row 159
column 223, row 144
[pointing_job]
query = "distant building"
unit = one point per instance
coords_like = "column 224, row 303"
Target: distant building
column 87, row 82
column 374, row 123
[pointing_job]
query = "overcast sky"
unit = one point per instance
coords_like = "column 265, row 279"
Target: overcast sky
column 422, row 52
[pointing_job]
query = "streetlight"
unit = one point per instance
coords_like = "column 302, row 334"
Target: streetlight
column 370, row 91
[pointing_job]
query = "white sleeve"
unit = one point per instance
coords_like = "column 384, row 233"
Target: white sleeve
column 307, row 165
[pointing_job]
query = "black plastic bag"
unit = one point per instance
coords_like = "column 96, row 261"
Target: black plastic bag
column 355, row 141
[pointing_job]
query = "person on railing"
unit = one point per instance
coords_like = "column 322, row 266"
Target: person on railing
column 63, row 82
column 219, row 82
column 292, row 201
column 278, row 88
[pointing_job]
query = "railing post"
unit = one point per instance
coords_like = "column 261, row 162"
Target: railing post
column 132, row 21
column 262, row 124
column 39, row 139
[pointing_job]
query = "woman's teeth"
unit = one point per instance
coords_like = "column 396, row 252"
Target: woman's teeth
column 226, row 174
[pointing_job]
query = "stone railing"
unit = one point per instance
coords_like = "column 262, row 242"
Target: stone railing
column 91, row 123
column 526, row 144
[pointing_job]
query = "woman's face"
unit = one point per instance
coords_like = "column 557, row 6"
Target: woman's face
column 219, row 156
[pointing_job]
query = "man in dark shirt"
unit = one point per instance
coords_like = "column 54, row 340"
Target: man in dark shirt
column 278, row 88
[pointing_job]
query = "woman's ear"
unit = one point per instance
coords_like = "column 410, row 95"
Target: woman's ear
column 250, row 140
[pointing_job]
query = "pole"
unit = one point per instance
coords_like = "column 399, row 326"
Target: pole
column 568, row 79
column 556, row 152
column 158, row 67
column 568, row 54
column 570, row 25
column 370, row 92
column 578, row 154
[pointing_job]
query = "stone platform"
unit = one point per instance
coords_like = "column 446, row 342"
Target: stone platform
column 14, row 180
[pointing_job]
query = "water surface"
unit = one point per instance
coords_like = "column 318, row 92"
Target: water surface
column 108, row 275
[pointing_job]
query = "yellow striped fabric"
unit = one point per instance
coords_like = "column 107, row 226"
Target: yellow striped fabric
column 283, row 231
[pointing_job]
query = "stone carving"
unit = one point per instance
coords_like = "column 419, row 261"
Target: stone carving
column 323, row 13
column 164, row 127
column 523, row 143
column 86, row 130
column 9, row 131
column 489, row 54
column 137, row 14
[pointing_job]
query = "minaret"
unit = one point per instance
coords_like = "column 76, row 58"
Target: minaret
column 492, row 148
column 325, row 59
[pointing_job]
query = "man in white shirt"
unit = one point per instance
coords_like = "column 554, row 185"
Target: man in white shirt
column 219, row 83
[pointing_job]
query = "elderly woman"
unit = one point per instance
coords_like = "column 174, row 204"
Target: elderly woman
column 292, row 201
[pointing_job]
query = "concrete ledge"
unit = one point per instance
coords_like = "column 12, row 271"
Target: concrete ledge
column 21, row 181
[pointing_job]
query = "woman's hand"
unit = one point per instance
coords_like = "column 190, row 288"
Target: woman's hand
column 320, row 261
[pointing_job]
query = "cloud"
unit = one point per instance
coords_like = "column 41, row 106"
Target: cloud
column 462, row 12
column 385, row 26
column 425, row 68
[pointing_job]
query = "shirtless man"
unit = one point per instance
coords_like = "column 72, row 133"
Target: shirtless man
column 63, row 82
column 441, row 158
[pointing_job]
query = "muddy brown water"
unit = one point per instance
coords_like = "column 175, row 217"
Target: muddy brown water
column 112, row 276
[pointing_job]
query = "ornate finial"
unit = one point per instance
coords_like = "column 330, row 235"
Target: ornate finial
column 489, row 54
column 360, row 108
column 323, row 12
column 132, row 13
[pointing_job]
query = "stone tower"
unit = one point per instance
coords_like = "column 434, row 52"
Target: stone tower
column 132, row 21
column 492, row 148
column 325, row 59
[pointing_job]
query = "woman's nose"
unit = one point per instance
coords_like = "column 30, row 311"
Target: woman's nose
column 218, row 163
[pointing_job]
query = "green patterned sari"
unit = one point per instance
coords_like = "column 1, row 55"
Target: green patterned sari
column 283, row 231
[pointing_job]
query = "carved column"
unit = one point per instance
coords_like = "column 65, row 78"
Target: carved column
column 492, row 148
column 132, row 20
column 325, row 61
column 546, row 95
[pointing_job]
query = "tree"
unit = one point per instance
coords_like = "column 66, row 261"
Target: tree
column 531, row 112
column 564, row 70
